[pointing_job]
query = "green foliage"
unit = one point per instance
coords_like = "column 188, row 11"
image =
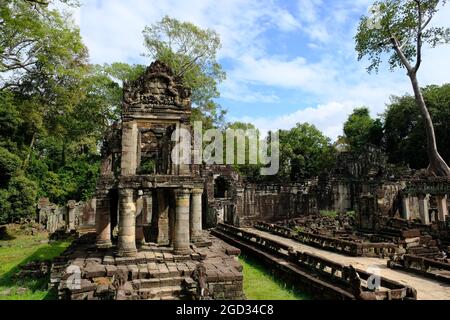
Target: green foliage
column 250, row 171
column 399, row 23
column 329, row 214
column 304, row 152
column 360, row 129
column 404, row 131
column 5, row 206
column 148, row 166
column 9, row 165
column 191, row 53
column 53, row 112
column 124, row 71
column 19, row 200
column 35, row 38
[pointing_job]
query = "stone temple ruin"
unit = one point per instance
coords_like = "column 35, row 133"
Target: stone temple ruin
column 152, row 215
column 149, row 242
column 141, row 191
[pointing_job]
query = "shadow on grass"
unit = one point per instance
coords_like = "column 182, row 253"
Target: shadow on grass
column 290, row 288
column 4, row 235
column 46, row 253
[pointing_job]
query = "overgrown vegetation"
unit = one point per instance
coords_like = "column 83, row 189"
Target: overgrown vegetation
column 18, row 249
column 329, row 214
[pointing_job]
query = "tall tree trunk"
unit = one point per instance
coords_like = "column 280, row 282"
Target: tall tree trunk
column 27, row 159
column 438, row 167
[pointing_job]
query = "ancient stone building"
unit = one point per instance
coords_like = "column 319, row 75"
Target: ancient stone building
column 142, row 192
column 365, row 184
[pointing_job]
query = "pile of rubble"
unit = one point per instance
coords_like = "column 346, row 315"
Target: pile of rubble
column 34, row 269
column 341, row 226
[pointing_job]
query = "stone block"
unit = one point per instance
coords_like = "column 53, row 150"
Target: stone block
column 110, row 270
column 93, row 270
column 140, row 258
column 167, row 256
column 181, row 258
column 173, row 271
column 150, row 283
column 124, row 260
column 150, row 257
column 152, row 266
column 85, row 286
column 143, row 271
column 159, row 257
column 133, row 271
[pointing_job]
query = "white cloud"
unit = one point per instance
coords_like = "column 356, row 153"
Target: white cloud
column 328, row 71
column 113, row 28
column 327, row 117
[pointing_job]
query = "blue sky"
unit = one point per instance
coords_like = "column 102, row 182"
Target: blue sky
column 287, row 61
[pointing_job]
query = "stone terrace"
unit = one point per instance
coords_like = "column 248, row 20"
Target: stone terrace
column 155, row 273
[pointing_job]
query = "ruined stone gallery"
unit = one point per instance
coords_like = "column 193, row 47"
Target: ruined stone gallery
column 175, row 232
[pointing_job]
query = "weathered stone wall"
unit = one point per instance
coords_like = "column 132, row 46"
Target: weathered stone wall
column 73, row 216
column 270, row 202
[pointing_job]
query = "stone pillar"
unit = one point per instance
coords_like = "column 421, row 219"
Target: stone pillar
column 181, row 232
column 406, row 208
column 140, row 238
column 127, row 224
column 148, row 207
column 196, row 215
column 103, row 221
column 163, row 218
column 424, row 209
column 71, row 215
column 442, row 207
column 129, row 148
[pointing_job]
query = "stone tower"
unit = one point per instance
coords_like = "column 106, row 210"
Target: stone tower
column 142, row 192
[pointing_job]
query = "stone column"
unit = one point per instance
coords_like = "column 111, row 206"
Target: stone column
column 406, row 208
column 148, row 207
column 103, row 221
column 423, row 209
column 162, row 218
column 71, row 215
column 196, row 215
column 140, row 238
column 129, row 148
column 127, row 224
column 442, row 207
column 181, row 234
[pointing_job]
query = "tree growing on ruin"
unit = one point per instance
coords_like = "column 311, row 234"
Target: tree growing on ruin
column 398, row 30
column 405, row 136
column 191, row 53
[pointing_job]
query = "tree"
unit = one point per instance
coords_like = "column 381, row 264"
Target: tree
column 34, row 37
column 250, row 171
column 360, row 129
column 401, row 31
column 304, row 152
column 405, row 137
column 191, row 53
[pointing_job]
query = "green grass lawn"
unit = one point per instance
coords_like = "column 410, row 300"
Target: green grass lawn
column 18, row 249
column 259, row 284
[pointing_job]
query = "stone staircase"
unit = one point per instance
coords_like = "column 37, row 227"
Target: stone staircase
column 173, row 288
